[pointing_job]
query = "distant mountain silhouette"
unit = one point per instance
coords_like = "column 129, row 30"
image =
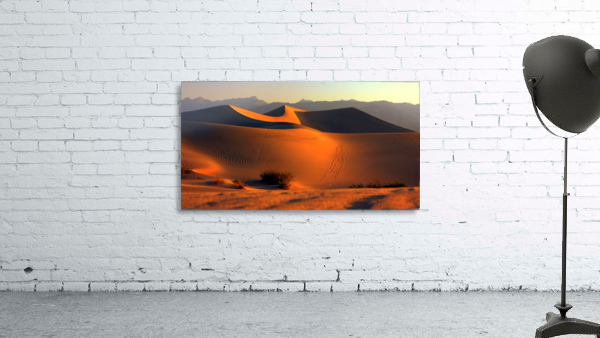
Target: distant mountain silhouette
column 346, row 120
column 405, row 115
column 250, row 103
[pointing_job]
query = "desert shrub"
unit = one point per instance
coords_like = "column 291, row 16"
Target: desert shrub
column 283, row 179
column 239, row 184
column 218, row 181
column 376, row 183
column 186, row 171
column 394, row 184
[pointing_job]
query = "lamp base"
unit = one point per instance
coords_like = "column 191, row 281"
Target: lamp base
column 558, row 325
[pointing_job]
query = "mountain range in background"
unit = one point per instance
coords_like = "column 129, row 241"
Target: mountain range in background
column 401, row 114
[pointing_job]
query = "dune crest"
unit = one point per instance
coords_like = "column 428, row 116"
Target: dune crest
column 288, row 115
column 287, row 112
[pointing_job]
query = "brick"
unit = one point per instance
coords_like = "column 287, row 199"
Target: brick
column 48, row 157
column 48, row 65
column 52, row 18
column 316, row 17
column 266, row 63
column 315, row 63
column 161, row 40
column 270, row 40
column 101, row 134
column 364, row 40
column 107, row 18
column 101, row 286
column 145, row 64
column 76, row 286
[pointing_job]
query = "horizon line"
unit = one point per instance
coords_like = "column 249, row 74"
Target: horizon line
column 237, row 98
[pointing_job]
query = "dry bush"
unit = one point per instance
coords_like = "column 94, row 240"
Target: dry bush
column 239, row 184
column 376, row 183
column 283, row 179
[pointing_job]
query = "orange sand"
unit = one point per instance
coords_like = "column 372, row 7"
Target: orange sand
column 195, row 197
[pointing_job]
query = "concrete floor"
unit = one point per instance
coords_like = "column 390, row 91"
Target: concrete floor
column 255, row 314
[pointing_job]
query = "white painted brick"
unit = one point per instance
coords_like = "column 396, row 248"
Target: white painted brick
column 319, row 286
column 76, row 286
column 105, row 145
column 89, row 134
column 454, row 144
column 330, row 17
column 269, row 63
column 49, row 157
column 134, row 145
column 320, row 75
column 157, row 286
column 51, row 145
column 131, row 286
column 350, row 52
column 328, row 51
column 352, row 29
column 99, row 286
column 48, row 65
column 49, row 286
column 314, row 63
column 378, row 40
column 51, row 18
column 106, row 18
column 291, row 75
column 184, row 286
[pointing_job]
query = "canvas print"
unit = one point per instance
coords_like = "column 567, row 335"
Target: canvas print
column 300, row 145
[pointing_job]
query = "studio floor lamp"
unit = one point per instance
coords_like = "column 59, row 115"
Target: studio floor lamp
column 562, row 74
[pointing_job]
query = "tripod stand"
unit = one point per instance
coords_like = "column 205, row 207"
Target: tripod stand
column 558, row 325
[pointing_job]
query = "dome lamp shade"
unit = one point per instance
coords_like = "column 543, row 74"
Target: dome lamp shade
column 562, row 74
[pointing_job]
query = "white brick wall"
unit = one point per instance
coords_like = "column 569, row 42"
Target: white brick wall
column 89, row 147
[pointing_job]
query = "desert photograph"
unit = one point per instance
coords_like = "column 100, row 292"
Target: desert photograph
column 300, row 145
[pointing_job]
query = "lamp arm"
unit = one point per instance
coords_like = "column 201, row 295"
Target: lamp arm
column 531, row 84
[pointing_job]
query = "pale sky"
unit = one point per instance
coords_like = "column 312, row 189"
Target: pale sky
column 294, row 91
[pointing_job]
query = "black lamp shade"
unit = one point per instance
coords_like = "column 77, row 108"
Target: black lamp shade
column 565, row 73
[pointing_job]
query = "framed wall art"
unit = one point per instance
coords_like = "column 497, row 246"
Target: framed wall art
column 300, row 145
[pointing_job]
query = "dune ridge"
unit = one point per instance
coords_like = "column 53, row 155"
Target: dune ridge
column 288, row 115
column 235, row 116
column 285, row 112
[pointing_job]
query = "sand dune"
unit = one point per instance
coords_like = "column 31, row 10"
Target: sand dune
column 324, row 150
column 243, row 152
column 319, row 160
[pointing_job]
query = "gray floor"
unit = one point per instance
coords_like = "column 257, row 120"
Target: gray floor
column 255, row 314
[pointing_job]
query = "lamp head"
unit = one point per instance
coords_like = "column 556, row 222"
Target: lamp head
column 565, row 74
